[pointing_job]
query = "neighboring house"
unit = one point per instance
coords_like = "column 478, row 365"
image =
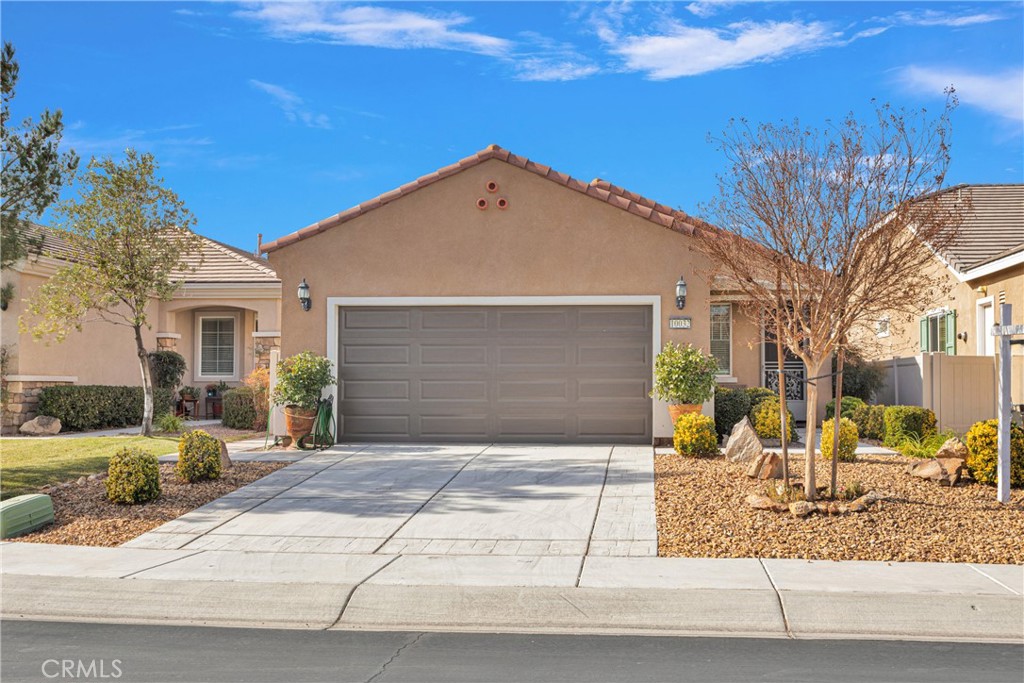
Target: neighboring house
column 497, row 299
column 224, row 320
column 981, row 270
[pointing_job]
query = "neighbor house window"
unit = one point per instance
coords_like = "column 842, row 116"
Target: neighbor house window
column 938, row 332
column 721, row 337
column 217, row 346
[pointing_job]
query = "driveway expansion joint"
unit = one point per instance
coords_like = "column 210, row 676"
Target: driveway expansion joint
column 162, row 564
column 778, row 596
column 597, row 513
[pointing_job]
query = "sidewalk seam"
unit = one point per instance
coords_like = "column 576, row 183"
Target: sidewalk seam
column 993, row 579
column 348, row 598
column 162, row 564
column 597, row 513
column 778, row 596
column 432, row 497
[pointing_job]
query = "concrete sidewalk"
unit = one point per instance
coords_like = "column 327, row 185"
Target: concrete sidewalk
column 780, row 598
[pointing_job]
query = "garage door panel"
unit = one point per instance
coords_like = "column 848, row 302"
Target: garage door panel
column 555, row 374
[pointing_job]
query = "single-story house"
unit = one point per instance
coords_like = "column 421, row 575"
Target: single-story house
column 224, row 320
column 498, row 299
column 981, row 270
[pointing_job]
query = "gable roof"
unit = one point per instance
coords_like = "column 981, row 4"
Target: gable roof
column 992, row 229
column 636, row 204
column 221, row 263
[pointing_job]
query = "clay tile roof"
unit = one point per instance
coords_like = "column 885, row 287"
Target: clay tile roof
column 599, row 189
column 220, row 262
column 992, row 229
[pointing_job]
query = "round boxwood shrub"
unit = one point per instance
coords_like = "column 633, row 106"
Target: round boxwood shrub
column 133, row 476
column 757, row 396
column 695, row 435
column 731, row 406
column 870, row 421
column 847, row 439
column 198, row 456
column 850, row 405
column 904, row 421
column 983, row 453
column 240, row 408
column 766, row 420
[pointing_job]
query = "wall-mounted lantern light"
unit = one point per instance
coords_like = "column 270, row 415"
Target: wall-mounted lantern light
column 304, row 299
column 681, row 293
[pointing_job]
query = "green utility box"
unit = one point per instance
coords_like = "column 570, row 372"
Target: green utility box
column 24, row 514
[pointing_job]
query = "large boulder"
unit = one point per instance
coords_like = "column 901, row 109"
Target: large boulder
column 743, row 444
column 44, row 425
column 945, row 471
column 766, row 466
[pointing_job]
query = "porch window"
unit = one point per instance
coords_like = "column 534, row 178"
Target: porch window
column 217, row 347
column 938, row 332
column 721, row 337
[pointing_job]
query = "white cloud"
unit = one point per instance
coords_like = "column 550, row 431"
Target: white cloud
column 998, row 93
column 686, row 51
column 708, row 8
column 372, row 27
column 189, row 13
column 540, row 69
column 292, row 105
column 932, row 17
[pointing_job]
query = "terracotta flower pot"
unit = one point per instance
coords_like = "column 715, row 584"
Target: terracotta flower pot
column 298, row 422
column 676, row 410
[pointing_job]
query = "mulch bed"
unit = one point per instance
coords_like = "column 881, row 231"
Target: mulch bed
column 701, row 513
column 84, row 516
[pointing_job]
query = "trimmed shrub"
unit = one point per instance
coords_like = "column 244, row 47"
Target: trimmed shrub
column 766, row 420
column 695, row 435
column 861, row 378
column 847, row 439
column 239, row 408
column 198, row 456
column 169, row 423
column 914, row 446
column 88, row 406
column 870, row 421
column 903, row 421
column 167, row 367
column 850, row 404
column 731, row 406
column 757, row 395
column 133, row 476
column 983, row 453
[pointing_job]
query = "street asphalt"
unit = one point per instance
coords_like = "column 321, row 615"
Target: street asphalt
column 35, row 651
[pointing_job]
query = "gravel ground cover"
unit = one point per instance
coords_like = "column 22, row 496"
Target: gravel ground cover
column 701, row 513
column 84, row 516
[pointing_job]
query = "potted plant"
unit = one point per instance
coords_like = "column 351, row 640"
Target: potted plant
column 300, row 380
column 222, row 386
column 684, row 377
column 188, row 393
column 211, row 390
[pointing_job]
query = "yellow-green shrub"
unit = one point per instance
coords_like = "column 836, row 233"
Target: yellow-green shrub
column 767, row 423
column 847, row 439
column 133, row 476
column 198, row 456
column 695, row 435
column 983, row 453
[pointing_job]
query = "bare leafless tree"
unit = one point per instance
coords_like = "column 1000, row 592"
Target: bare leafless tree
column 826, row 230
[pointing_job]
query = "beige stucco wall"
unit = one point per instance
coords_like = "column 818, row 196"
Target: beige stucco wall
column 551, row 241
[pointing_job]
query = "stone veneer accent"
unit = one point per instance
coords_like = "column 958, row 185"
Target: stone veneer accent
column 23, row 403
column 167, row 344
column 262, row 347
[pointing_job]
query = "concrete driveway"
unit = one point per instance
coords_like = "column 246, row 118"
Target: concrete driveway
column 491, row 499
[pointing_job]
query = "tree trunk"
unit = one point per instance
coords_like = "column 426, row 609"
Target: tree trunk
column 810, row 485
column 147, row 384
column 782, row 408
column 837, row 420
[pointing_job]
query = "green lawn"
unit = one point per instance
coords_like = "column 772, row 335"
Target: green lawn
column 28, row 464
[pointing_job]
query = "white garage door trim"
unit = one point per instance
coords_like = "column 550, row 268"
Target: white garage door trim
column 335, row 303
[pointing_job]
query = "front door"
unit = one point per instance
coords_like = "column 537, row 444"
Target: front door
column 796, row 373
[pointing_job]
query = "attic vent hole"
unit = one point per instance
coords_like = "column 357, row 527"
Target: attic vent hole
column 502, row 203
column 481, row 203
column 491, row 186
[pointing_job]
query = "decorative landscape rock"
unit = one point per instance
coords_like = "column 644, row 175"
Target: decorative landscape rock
column 743, row 444
column 952, row 448
column 945, row 471
column 225, row 459
column 760, row 502
column 802, row 508
column 766, row 466
column 43, row 425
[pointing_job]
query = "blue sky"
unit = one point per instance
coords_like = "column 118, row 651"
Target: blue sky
column 268, row 117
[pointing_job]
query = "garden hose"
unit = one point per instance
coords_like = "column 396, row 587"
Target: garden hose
column 323, row 427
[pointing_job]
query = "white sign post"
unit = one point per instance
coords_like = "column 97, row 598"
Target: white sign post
column 1004, row 330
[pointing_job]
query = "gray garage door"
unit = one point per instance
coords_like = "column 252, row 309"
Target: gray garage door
column 545, row 374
